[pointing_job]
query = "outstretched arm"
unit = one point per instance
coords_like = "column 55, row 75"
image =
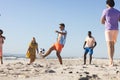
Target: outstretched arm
column 63, row 33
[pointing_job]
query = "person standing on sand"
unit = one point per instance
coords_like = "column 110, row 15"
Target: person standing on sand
column 2, row 38
column 59, row 43
column 33, row 47
column 88, row 46
column 110, row 18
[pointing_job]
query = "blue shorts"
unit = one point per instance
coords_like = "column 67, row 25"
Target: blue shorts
column 90, row 50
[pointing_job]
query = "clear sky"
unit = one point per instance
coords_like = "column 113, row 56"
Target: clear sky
column 23, row 19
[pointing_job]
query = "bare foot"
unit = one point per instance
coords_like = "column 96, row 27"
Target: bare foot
column 28, row 63
column 111, row 65
column 42, row 56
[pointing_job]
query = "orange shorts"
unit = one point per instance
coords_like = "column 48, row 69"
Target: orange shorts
column 58, row 47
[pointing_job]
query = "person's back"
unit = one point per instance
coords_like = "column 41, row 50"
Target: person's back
column 112, row 17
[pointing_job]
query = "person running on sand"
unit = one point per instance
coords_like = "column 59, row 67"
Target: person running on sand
column 110, row 18
column 59, row 43
column 2, row 38
column 88, row 46
column 33, row 47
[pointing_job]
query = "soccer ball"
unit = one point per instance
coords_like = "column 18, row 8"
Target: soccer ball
column 42, row 51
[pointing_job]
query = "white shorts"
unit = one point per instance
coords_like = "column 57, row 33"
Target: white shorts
column 111, row 35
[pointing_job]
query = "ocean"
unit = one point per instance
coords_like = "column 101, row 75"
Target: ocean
column 17, row 56
column 23, row 56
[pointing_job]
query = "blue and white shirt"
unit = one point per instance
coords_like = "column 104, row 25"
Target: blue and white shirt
column 62, row 38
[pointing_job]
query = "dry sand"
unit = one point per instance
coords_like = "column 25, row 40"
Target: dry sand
column 50, row 69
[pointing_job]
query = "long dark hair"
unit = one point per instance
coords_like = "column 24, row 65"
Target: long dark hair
column 1, row 32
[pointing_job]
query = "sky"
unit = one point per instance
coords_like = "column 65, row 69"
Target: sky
column 23, row 19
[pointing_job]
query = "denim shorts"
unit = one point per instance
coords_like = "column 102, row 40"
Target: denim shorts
column 89, row 50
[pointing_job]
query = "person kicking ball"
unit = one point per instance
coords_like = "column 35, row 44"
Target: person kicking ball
column 58, row 46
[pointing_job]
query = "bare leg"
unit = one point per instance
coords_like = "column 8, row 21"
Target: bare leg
column 1, row 60
column 113, row 49
column 59, row 57
column 90, row 59
column 85, row 58
column 110, row 46
column 32, row 59
column 48, row 52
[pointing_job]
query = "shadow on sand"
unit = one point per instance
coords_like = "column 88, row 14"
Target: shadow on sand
column 84, row 78
column 95, row 77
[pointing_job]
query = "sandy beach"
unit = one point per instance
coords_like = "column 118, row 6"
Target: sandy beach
column 50, row 69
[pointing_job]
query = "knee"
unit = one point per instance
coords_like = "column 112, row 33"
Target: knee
column 51, row 48
column 58, row 54
column 85, row 54
column 110, row 45
column 33, row 60
column 90, row 55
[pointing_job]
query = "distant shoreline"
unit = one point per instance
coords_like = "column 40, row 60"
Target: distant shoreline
column 65, row 58
column 18, row 56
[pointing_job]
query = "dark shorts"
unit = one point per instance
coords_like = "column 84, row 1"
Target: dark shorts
column 89, row 50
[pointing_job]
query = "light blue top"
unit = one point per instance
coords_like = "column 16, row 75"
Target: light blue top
column 62, row 38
